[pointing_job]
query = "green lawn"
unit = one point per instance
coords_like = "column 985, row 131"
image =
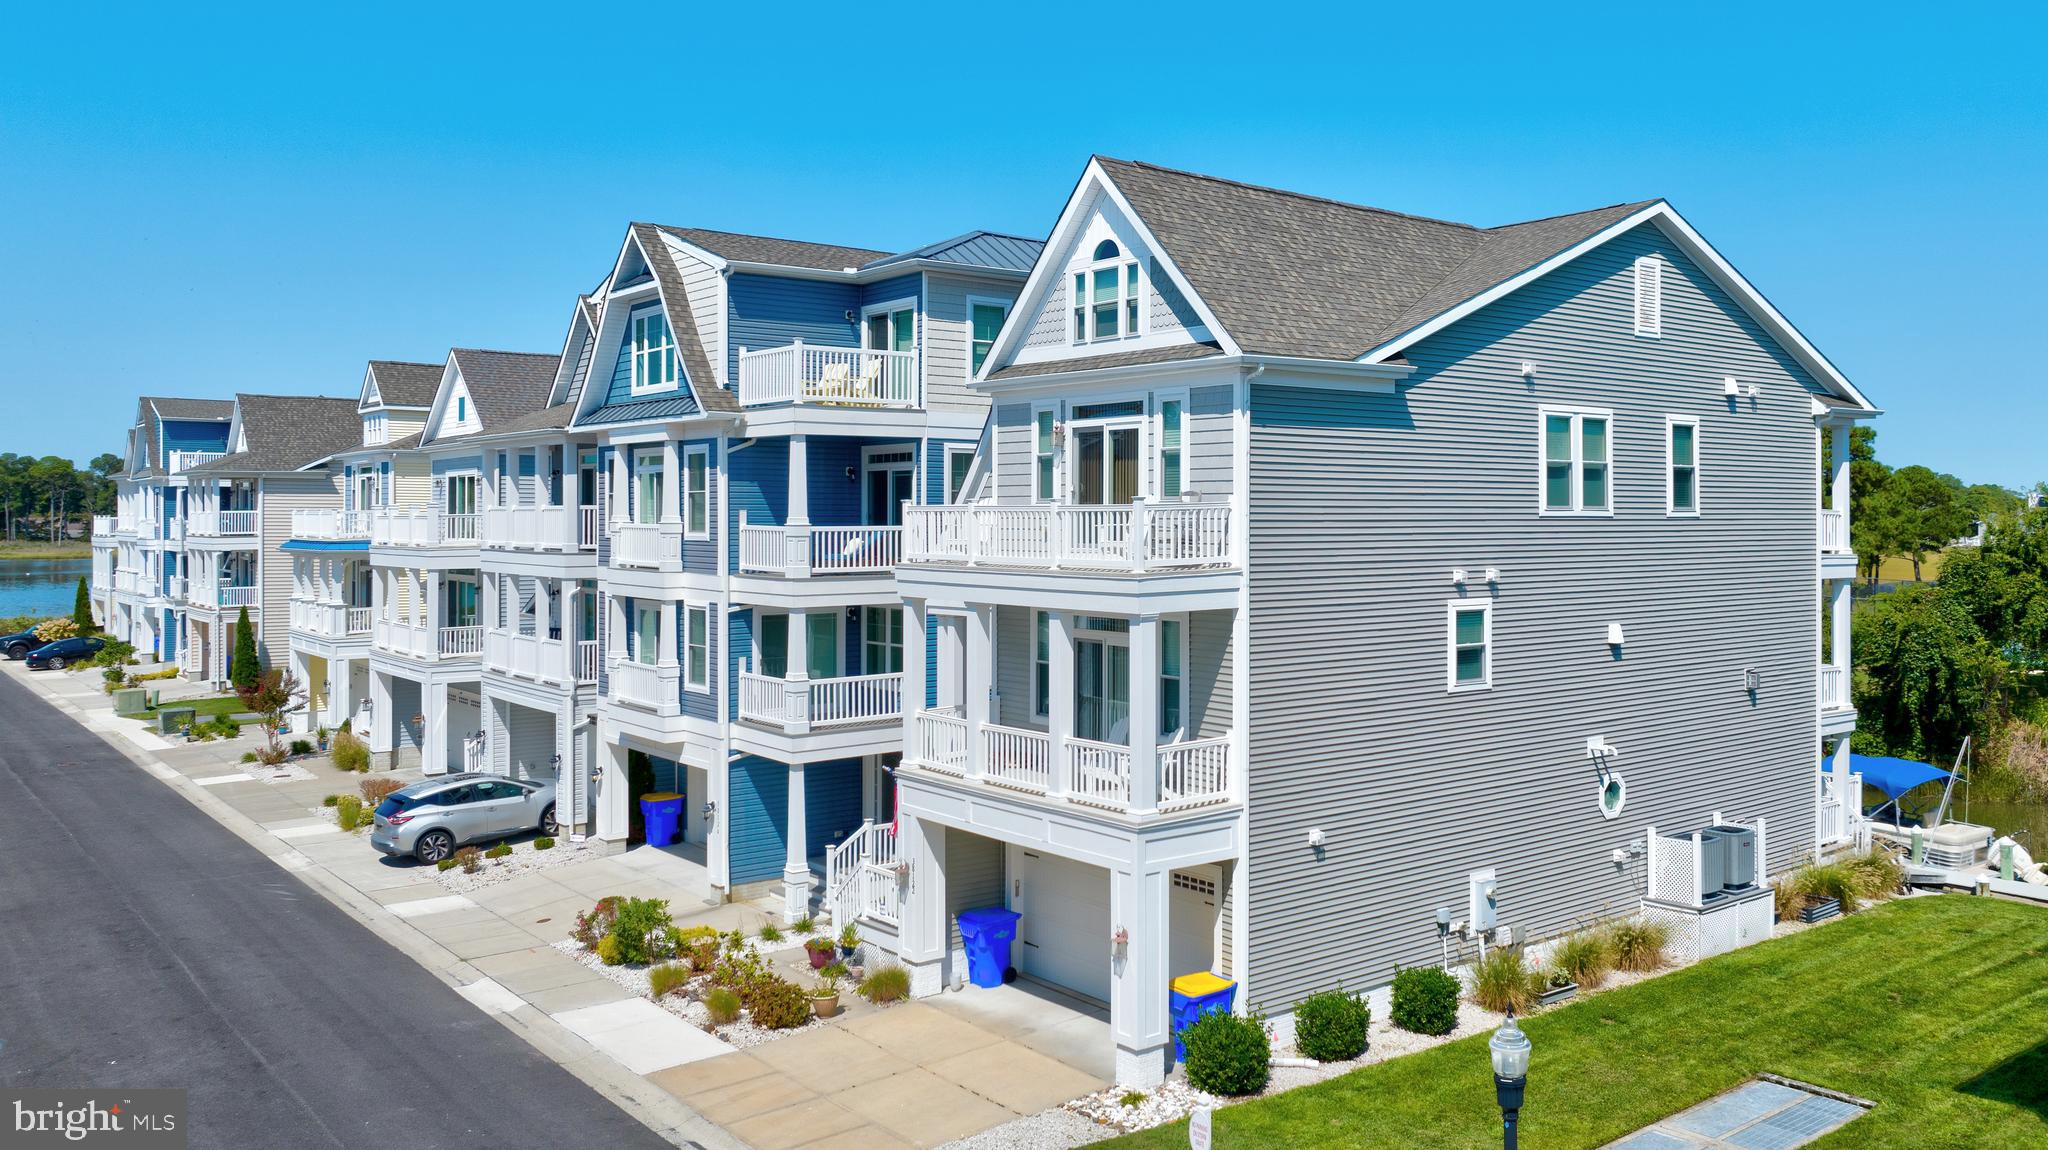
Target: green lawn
column 207, row 708
column 1935, row 1008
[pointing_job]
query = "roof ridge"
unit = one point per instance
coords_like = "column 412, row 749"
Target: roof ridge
column 1333, row 202
column 676, row 229
column 1581, row 212
column 504, row 351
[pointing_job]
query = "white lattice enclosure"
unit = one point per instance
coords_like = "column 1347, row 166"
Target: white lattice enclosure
column 1706, row 923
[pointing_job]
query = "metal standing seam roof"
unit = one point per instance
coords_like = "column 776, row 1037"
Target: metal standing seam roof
column 287, row 432
column 981, row 249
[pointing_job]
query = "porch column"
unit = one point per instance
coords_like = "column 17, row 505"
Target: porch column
column 975, row 706
column 665, row 642
column 671, row 480
column 1139, row 976
column 341, row 702
column 434, row 732
column 381, row 732
column 796, row 686
column 796, row 866
column 913, row 687
column 922, row 941
column 1144, row 720
column 611, row 802
column 799, row 481
column 1838, row 620
column 436, row 613
column 1059, row 703
column 570, row 590
column 616, row 496
column 1838, row 478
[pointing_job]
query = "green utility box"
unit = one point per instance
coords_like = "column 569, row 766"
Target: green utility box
column 131, row 700
column 171, row 720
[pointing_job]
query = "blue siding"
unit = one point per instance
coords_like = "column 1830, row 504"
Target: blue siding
column 910, row 286
column 758, row 484
column 770, row 311
column 835, row 500
column 620, row 389
column 194, row 435
column 758, row 795
column 701, row 555
column 700, row 704
column 831, row 803
column 934, row 465
column 739, row 648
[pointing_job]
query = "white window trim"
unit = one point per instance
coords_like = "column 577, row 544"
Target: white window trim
column 1578, row 488
column 640, row 385
column 871, row 461
column 907, row 303
column 1040, row 705
column 1053, row 496
column 642, row 462
column 1646, row 297
column 1671, row 507
column 868, row 616
column 703, row 688
column 1186, row 676
column 1600, row 795
column 946, row 468
column 1129, row 290
column 996, row 302
column 701, row 451
column 1159, row 401
column 1451, row 611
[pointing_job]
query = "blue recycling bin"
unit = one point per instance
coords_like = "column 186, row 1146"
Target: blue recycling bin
column 987, row 932
column 1194, row 995
column 659, row 813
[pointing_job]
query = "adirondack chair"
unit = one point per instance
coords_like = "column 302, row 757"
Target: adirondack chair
column 868, row 388
column 832, row 382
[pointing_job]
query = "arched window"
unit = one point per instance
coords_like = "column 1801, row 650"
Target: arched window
column 1105, row 299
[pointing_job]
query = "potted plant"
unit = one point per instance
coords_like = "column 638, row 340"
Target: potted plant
column 1557, row 986
column 819, row 948
column 322, row 736
column 824, row 996
column 849, row 942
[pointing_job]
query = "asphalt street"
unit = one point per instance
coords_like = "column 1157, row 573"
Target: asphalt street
column 143, row 945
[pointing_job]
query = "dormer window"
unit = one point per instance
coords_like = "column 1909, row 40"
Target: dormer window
column 1105, row 301
column 654, row 352
column 376, row 427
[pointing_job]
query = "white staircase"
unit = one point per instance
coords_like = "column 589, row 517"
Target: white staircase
column 861, row 879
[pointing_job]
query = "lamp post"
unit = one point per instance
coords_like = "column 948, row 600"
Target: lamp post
column 1510, row 1050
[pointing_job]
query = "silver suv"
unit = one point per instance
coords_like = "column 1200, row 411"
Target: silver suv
column 430, row 818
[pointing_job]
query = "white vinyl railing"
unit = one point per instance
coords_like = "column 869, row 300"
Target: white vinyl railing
column 648, row 685
column 1834, row 531
column 1016, row 757
column 800, row 552
column 942, row 740
column 849, row 893
column 588, row 527
column 799, row 705
column 103, row 525
column 586, row 661
column 426, row 642
column 226, row 596
column 527, row 656
column 337, row 620
column 358, row 620
column 1136, row 537
column 833, row 376
column 218, row 523
column 1098, row 774
column 646, row 545
column 1834, row 687
column 460, row 640
column 541, row 527
column 186, row 460
column 330, row 523
column 1194, row 773
column 420, row 527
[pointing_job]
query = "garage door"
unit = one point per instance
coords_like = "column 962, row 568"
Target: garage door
column 1065, row 929
column 1191, row 929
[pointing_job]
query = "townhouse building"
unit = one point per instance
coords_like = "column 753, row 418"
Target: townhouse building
column 145, row 604
column 1324, row 566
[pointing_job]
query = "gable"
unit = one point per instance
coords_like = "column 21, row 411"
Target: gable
column 371, row 397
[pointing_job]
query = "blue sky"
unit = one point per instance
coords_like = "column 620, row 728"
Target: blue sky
column 199, row 200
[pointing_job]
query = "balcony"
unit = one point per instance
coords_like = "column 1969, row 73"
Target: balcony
column 1837, row 559
column 421, row 527
column 103, row 525
column 330, row 523
column 427, row 643
column 1191, row 773
column 540, row 528
column 331, row 620
column 178, row 461
column 220, row 524
column 649, row 686
column 647, row 545
column 540, row 658
column 1136, row 538
column 798, row 706
column 212, row 596
column 802, row 552
column 1837, row 711
column 126, row 581
column 809, row 375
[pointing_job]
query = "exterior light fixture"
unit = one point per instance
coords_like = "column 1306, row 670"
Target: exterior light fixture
column 1493, row 574
column 1510, row 1050
column 1315, row 836
column 1457, row 576
column 1528, row 369
column 1729, row 387
column 1614, row 635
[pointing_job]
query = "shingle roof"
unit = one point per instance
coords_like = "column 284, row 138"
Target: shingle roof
column 193, row 408
column 286, row 432
column 150, row 408
column 547, row 419
column 1112, row 359
column 769, row 250
column 1290, row 274
column 675, row 299
column 505, row 385
column 402, row 384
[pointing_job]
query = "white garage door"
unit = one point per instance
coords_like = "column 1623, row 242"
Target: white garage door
column 1065, row 929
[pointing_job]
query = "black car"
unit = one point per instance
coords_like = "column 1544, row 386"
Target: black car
column 18, row 646
column 63, row 653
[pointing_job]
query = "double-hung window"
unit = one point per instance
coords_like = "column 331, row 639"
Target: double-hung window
column 697, row 647
column 1172, row 416
column 1576, row 464
column 1682, row 447
column 1041, row 432
column 985, row 322
column 647, row 484
column 1469, row 665
column 882, row 640
column 646, row 633
column 1041, row 663
column 654, row 352
column 697, row 492
column 1105, row 300
column 959, row 459
column 1172, row 694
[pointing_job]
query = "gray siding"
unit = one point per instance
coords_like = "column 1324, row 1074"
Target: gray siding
column 947, row 338
column 1209, row 435
column 1013, row 668
column 974, row 878
column 281, row 495
column 1362, row 505
column 1209, row 673
column 1013, row 453
column 1049, row 327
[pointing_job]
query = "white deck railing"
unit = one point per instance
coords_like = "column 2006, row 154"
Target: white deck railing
column 1834, row 688
column 799, row 705
column 832, row 376
column 586, row 660
column 540, row 527
column 427, row 642
column 186, row 460
column 1137, row 537
column 848, row 893
column 647, row 545
column 648, row 685
column 335, row 620
column 800, row 552
column 1834, row 531
column 223, row 596
column 1194, row 773
column 421, row 527
column 942, row 739
column 527, row 656
column 1191, row 773
column 460, row 641
column 330, row 523
column 1016, row 757
column 103, row 525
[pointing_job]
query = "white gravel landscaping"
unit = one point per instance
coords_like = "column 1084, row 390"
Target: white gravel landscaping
column 522, row 861
column 685, row 1004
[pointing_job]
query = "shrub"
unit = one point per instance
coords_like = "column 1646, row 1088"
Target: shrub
column 220, row 726
column 1227, row 1054
column 1425, row 1001
column 833, row 970
column 51, row 630
column 666, row 979
column 350, row 753
column 113, row 677
column 543, row 843
column 641, row 926
column 271, row 755
column 886, row 984
column 1502, row 981
column 349, row 812
column 608, row 950
column 1331, row 1026
column 446, row 864
column 302, row 747
column 778, row 1004
column 594, row 924
column 802, row 925
column 697, row 943
column 330, row 800
column 250, row 757
column 1637, row 943
column 1875, row 875
column 501, row 850
column 471, row 860
column 377, row 790
column 81, row 606
column 770, row 932
column 1583, row 957
column 115, row 655
column 722, row 1005
column 243, row 667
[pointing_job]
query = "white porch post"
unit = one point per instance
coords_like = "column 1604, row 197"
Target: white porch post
column 1144, row 721
column 434, row 734
column 571, row 591
column 665, row 642
column 796, row 866
column 913, row 673
column 613, row 805
column 923, row 940
column 671, row 479
column 1059, row 703
column 616, row 496
column 1137, row 994
column 1838, row 479
column 796, row 532
column 382, row 733
column 975, row 706
column 1838, row 620
column 796, row 686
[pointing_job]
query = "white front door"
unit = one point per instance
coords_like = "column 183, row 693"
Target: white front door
column 1063, row 937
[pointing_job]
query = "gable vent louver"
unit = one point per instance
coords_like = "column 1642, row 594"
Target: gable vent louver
column 1650, row 296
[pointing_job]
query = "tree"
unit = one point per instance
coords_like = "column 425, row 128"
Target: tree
column 243, row 669
column 273, row 695
column 1925, row 513
column 1926, row 675
column 81, row 607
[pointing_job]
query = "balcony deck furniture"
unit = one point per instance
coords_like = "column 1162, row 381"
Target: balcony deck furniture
column 807, row 374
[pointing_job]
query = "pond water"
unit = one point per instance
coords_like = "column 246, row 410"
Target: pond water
column 40, row 586
column 2007, row 819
